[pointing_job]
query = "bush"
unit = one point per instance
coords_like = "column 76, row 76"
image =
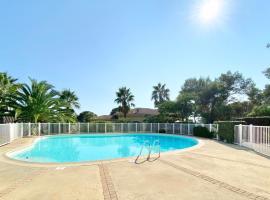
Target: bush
column 226, row 130
column 259, row 121
column 162, row 131
column 202, row 132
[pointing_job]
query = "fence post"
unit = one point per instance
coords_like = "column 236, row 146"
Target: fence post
column 69, row 127
column 105, row 127
column 158, row 127
column 136, row 127
column 240, row 128
column 151, row 128
column 79, row 125
column 21, row 130
column 188, row 129
column 88, row 128
column 10, row 132
column 39, row 129
column 173, row 128
column 49, row 128
column 121, row 127
column 210, row 127
column 251, row 135
column 29, row 129
column 59, row 129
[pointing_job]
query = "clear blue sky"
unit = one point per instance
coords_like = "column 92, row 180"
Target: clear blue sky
column 95, row 46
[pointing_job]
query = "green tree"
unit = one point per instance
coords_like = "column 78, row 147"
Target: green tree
column 185, row 107
column 212, row 97
column 8, row 88
column 167, row 111
column 39, row 102
column 70, row 99
column 160, row 94
column 124, row 98
column 86, row 116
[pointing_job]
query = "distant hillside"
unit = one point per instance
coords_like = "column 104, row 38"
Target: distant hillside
column 136, row 114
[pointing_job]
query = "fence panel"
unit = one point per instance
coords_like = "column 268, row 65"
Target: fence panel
column 9, row 132
column 253, row 137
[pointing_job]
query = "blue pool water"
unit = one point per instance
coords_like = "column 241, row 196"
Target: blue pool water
column 91, row 147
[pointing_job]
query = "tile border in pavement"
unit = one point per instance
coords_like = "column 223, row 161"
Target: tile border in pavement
column 107, row 183
column 215, row 181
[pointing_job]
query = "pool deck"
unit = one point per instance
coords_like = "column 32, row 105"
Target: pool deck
column 212, row 171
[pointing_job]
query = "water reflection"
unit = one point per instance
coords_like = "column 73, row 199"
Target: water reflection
column 77, row 148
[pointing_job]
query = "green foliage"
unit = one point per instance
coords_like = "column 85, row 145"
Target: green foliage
column 39, row 102
column 263, row 110
column 226, row 130
column 258, row 121
column 162, row 131
column 86, row 116
column 160, row 94
column 70, row 99
column 124, row 99
column 8, row 88
column 200, row 131
column 184, row 106
column 167, row 107
column 211, row 97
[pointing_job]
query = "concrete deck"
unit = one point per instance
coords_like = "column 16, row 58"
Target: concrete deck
column 213, row 171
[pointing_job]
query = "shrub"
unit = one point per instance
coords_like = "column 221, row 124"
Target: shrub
column 162, row 131
column 202, row 132
column 259, row 121
column 226, row 130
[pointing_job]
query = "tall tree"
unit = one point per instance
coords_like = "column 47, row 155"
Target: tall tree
column 124, row 98
column 185, row 107
column 86, row 116
column 39, row 102
column 160, row 94
column 212, row 97
column 70, row 99
column 8, row 87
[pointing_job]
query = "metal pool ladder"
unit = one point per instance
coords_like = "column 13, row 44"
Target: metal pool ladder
column 155, row 144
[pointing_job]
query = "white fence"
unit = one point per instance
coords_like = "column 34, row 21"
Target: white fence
column 254, row 137
column 9, row 132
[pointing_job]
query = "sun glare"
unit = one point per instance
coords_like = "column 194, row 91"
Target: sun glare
column 210, row 11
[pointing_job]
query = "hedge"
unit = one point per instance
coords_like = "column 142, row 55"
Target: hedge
column 202, row 132
column 259, row 121
column 226, row 130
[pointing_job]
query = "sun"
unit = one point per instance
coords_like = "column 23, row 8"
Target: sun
column 210, row 11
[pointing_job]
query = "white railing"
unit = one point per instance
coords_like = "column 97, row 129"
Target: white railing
column 253, row 137
column 9, row 132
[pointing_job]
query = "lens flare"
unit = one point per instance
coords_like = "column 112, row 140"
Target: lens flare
column 208, row 12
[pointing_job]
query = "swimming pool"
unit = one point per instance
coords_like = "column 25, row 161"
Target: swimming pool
column 94, row 147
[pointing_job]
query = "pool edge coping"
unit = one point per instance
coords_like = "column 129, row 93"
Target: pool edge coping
column 33, row 140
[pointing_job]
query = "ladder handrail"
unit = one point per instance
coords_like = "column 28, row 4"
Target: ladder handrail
column 156, row 143
column 145, row 142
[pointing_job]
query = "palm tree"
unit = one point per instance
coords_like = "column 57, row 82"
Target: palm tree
column 8, row 87
column 70, row 99
column 160, row 94
column 39, row 102
column 124, row 99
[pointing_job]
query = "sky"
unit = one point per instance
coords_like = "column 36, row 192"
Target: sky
column 94, row 47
